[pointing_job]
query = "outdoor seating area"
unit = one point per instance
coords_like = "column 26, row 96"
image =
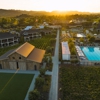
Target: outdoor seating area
column 78, row 49
column 80, row 53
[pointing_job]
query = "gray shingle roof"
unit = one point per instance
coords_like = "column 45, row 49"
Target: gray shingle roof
column 5, row 56
column 7, row 35
column 36, row 30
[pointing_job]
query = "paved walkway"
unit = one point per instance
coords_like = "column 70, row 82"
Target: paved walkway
column 24, row 72
column 53, row 95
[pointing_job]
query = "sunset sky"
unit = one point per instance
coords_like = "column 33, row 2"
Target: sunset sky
column 50, row 5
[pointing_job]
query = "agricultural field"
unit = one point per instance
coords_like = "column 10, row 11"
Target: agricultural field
column 14, row 86
column 79, row 83
column 43, row 42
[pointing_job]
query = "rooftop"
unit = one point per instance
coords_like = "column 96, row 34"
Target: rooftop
column 65, row 48
column 25, row 49
column 7, row 35
column 28, row 27
column 36, row 55
column 28, row 51
column 80, row 35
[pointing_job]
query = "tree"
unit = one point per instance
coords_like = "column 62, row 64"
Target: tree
column 45, row 59
column 71, row 45
column 92, row 39
column 50, row 59
column 42, row 71
column 21, row 39
column 54, row 35
column 52, row 40
column 34, row 95
column 70, row 40
column 39, row 82
column 73, row 52
column 81, row 40
column 48, row 49
column 14, row 22
column 88, row 36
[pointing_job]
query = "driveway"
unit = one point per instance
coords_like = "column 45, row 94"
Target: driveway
column 53, row 95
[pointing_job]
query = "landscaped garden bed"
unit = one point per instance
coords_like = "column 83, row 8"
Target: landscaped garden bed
column 42, row 88
column 14, row 86
column 79, row 83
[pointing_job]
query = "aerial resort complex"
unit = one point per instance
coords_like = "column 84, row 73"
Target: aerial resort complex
column 49, row 55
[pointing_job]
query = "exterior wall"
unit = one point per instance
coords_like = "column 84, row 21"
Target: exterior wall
column 5, row 64
column 66, row 57
column 13, row 62
column 8, row 41
column 13, row 65
column 30, row 65
column 16, row 56
column 14, row 59
column 22, row 65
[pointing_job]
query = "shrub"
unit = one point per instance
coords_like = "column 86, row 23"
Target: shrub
column 73, row 52
column 39, row 82
column 48, row 49
column 34, row 95
column 42, row 71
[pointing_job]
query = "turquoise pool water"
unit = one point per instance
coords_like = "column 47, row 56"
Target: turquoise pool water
column 92, row 53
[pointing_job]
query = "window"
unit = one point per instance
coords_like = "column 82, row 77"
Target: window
column 19, row 57
column 13, row 57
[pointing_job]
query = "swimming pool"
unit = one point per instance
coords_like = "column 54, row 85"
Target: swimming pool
column 92, row 53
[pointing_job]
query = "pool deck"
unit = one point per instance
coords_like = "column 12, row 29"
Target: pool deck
column 86, row 61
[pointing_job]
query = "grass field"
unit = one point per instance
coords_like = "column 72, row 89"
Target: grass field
column 80, row 83
column 14, row 86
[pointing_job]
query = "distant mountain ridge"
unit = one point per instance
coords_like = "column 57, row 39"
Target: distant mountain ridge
column 13, row 13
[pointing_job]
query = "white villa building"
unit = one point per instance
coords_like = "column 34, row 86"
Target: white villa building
column 65, row 51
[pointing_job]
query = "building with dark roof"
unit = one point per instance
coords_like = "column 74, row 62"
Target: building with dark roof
column 34, row 33
column 8, row 39
column 25, row 57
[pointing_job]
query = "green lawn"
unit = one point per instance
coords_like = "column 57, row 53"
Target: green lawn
column 80, row 83
column 14, row 86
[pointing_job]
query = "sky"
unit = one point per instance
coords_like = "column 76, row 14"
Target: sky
column 51, row 5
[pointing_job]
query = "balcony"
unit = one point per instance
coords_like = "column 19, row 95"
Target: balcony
column 10, row 40
column 4, row 41
column 16, row 39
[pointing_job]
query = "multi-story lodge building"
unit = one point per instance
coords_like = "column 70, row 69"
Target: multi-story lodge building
column 8, row 39
column 34, row 33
